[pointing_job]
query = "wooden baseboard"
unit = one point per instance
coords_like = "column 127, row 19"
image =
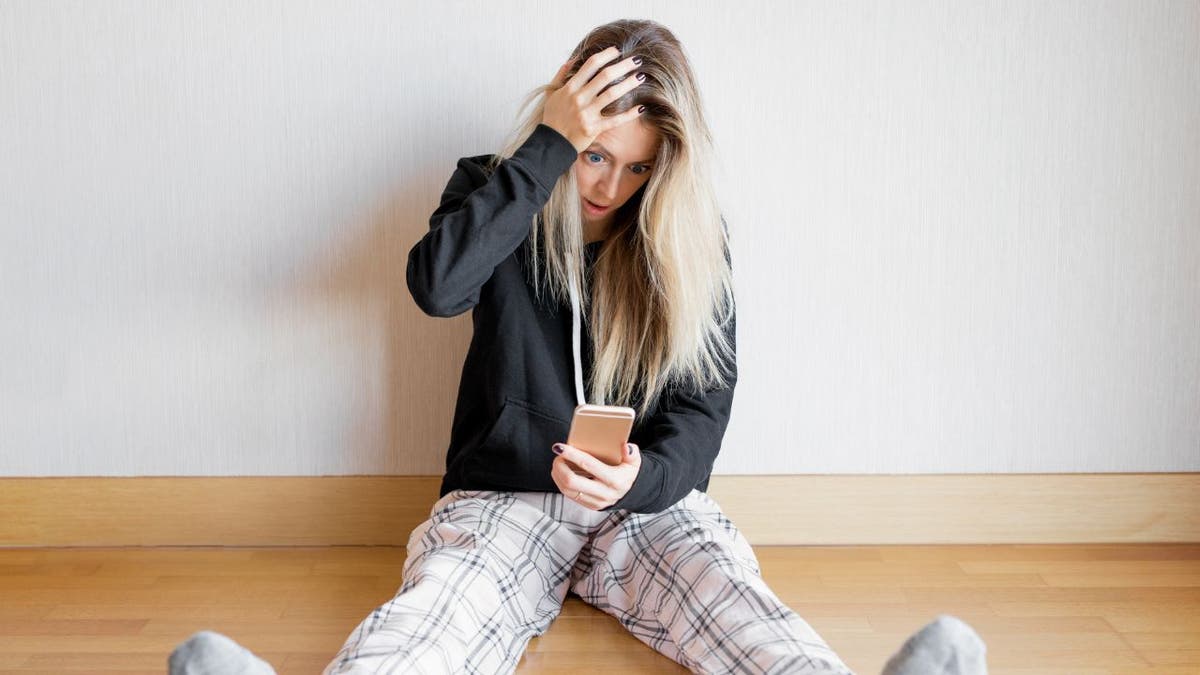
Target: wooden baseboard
column 770, row 510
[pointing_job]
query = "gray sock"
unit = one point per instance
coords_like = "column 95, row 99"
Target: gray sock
column 209, row 653
column 945, row 646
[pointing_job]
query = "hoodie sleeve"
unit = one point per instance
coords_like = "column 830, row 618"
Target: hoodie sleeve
column 481, row 220
column 686, row 433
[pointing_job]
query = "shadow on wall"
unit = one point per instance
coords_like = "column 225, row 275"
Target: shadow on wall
column 412, row 362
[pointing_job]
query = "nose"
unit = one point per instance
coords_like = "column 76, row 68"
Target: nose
column 608, row 185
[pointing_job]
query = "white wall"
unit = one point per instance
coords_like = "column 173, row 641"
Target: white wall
column 967, row 235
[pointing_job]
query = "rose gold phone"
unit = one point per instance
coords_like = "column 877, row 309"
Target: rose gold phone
column 601, row 431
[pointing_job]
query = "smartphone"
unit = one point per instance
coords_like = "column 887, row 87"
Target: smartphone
column 601, row 431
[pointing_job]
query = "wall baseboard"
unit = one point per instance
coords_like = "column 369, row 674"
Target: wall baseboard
column 770, row 510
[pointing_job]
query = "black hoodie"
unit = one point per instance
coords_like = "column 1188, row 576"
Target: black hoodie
column 517, row 392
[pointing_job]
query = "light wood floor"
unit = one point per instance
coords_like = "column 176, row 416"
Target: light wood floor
column 1047, row 610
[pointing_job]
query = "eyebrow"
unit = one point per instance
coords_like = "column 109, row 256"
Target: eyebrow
column 605, row 151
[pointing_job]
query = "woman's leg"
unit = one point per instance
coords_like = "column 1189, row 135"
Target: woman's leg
column 686, row 582
column 486, row 573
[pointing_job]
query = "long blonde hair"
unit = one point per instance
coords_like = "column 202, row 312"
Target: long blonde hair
column 662, row 282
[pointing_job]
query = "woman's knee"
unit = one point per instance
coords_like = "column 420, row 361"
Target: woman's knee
column 687, row 536
column 461, row 520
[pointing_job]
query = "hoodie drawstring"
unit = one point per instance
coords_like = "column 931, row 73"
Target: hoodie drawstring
column 575, row 337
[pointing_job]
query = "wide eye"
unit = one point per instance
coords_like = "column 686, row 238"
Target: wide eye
column 639, row 169
column 594, row 158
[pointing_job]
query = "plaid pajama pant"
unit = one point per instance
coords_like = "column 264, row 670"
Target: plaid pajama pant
column 489, row 570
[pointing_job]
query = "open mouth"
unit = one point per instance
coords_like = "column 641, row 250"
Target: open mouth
column 593, row 207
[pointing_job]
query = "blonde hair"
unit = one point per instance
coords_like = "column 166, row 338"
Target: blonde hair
column 662, row 282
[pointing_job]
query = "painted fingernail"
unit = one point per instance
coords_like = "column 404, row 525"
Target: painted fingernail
column 637, row 60
column 641, row 77
column 641, row 109
column 558, row 448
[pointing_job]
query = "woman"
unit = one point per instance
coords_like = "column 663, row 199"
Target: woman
column 593, row 256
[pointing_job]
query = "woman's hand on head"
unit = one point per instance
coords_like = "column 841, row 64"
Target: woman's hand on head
column 591, row 482
column 573, row 109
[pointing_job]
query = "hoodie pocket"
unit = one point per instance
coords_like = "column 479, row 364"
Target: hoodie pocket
column 516, row 454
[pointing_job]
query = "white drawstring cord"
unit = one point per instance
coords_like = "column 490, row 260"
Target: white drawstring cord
column 575, row 336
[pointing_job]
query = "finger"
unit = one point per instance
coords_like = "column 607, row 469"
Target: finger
column 590, row 67
column 569, row 478
column 618, row 90
column 581, row 480
column 571, row 483
column 608, row 75
column 600, row 471
column 591, row 498
column 591, row 502
column 575, row 468
column 612, row 121
column 561, row 75
column 563, row 475
column 560, row 471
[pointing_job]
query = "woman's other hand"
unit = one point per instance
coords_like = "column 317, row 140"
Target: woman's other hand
column 591, row 482
column 573, row 109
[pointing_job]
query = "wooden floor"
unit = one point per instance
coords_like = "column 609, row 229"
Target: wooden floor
column 1042, row 609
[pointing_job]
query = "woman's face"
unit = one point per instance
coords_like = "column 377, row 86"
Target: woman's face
column 614, row 167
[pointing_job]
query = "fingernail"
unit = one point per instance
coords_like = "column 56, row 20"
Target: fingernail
column 637, row 60
column 558, row 448
column 641, row 109
column 632, row 449
column 641, row 77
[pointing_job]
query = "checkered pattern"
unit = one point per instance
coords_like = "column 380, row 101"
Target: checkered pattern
column 489, row 571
